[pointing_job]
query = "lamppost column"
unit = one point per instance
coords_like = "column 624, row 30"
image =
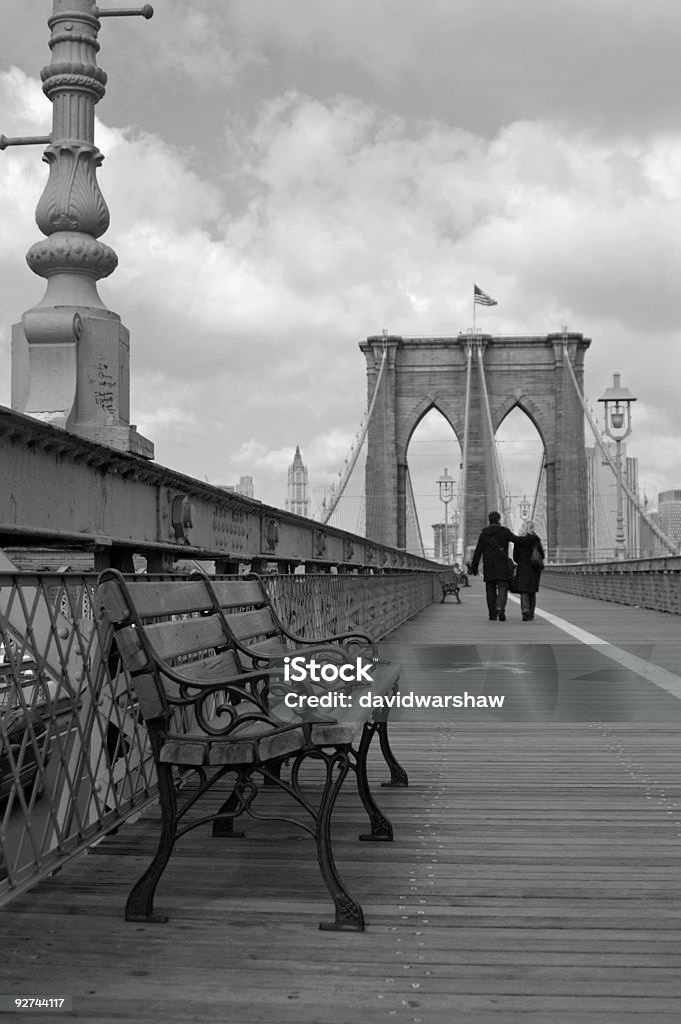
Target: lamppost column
column 620, row 539
column 70, row 353
column 446, row 536
column 617, row 401
column 446, row 492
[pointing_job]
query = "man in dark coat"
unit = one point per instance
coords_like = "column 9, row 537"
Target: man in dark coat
column 529, row 569
column 492, row 547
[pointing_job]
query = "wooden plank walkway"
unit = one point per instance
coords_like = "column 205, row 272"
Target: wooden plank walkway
column 535, row 876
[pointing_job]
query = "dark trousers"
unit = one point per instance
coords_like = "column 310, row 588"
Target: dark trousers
column 528, row 603
column 497, row 593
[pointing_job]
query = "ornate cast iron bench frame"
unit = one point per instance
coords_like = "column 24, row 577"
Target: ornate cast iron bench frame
column 198, row 652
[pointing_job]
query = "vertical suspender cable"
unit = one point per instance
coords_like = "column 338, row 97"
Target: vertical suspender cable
column 463, row 480
column 498, row 474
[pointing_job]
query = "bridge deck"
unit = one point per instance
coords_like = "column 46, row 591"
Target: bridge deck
column 535, row 876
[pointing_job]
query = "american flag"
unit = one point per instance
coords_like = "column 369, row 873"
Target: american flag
column 481, row 298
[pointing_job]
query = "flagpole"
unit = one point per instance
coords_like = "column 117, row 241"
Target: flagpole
column 474, row 309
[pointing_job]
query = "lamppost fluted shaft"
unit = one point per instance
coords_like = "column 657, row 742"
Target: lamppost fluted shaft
column 617, row 401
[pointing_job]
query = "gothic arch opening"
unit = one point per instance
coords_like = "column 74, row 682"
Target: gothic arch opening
column 433, row 447
column 522, row 455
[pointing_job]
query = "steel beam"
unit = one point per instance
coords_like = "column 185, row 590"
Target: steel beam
column 65, row 490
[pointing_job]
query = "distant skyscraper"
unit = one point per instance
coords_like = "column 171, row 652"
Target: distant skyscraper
column 445, row 546
column 245, row 487
column 651, row 546
column 602, row 502
column 297, row 500
column 669, row 512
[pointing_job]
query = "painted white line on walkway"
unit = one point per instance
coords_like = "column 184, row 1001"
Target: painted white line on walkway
column 658, row 676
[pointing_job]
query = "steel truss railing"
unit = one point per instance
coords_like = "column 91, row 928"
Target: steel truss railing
column 75, row 760
column 653, row 583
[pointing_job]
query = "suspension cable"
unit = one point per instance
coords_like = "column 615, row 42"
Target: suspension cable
column 541, row 477
column 413, row 526
column 351, row 461
column 498, row 473
column 463, row 482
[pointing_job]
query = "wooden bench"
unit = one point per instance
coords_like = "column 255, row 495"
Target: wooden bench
column 450, row 585
column 200, row 654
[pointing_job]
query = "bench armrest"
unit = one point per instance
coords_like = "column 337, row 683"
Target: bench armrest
column 208, row 682
column 339, row 639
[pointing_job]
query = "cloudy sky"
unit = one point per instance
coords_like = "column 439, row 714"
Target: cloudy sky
column 286, row 177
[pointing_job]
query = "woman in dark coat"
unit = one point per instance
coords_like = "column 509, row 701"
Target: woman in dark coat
column 528, row 572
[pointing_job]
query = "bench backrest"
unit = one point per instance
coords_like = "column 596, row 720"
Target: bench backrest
column 169, row 622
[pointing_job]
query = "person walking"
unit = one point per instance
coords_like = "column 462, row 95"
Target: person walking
column 492, row 547
column 529, row 554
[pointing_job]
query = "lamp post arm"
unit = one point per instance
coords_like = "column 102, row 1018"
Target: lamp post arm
column 27, row 140
column 126, row 12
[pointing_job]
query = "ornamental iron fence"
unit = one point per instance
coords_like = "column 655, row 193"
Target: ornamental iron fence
column 75, row 761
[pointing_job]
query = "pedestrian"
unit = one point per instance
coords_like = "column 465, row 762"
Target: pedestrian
column 461, row 574
column 529, row 554
column 492, row 547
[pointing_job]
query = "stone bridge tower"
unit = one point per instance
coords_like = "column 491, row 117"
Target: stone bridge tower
column 430, row 373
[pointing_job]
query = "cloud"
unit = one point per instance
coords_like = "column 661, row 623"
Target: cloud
column 608, row 64
column 246, row 294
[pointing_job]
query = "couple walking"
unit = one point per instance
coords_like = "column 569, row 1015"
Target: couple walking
column 492, row 547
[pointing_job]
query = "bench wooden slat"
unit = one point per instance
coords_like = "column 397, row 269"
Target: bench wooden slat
column 246, row 625
column 185, row 636
column 273, row 647
column 170, row 598
column 237, row 593
column 218, row 667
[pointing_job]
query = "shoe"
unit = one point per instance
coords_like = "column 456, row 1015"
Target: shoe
column 502, row 616
column 526, row 616
column 492, row 618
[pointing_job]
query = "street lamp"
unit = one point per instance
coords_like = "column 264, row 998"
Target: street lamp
column 617, row 401
column 446, row 487
column 525, row 509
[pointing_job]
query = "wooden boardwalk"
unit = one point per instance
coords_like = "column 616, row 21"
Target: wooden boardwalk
column 535, row 876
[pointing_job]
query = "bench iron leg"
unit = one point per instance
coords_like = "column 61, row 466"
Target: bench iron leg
column 140, row 904
column 349, row 915
column 223, row 828
column 275, row 768
column 398, row 776
column 381, row 827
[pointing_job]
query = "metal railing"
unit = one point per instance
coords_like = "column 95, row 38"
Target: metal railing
column 641, row 582
column 75, row 760
column 74, row 756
